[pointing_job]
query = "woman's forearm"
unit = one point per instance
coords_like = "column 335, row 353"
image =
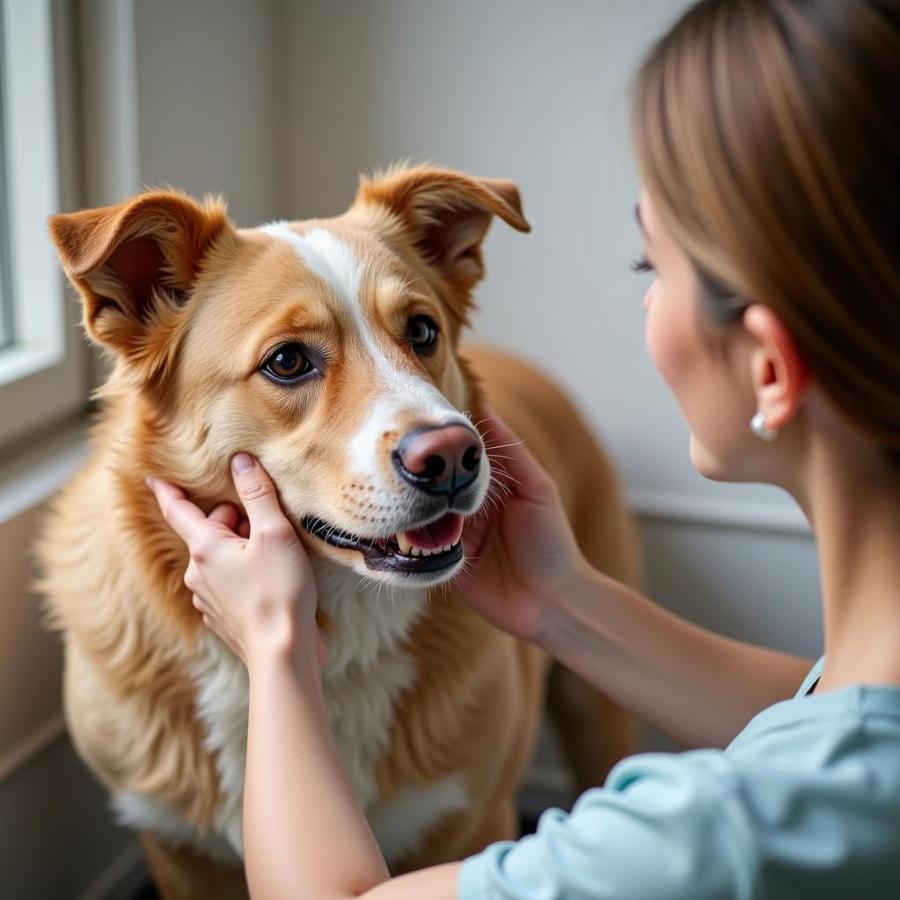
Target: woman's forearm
column 304, row 832
column 694, row 685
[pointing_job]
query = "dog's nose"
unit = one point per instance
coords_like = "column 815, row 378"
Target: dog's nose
column 439, row 460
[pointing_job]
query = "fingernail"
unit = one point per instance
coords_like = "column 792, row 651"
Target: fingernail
column 150, row 481
column 243, row 462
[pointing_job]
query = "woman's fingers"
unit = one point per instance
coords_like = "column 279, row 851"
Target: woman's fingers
column 475, row 533
column 257, row 494
column 514, row 460
column 192, row 580
column 226, row 514
column 186, row 519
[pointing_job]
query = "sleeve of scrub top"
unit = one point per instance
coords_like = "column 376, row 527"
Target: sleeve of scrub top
column 665, row 827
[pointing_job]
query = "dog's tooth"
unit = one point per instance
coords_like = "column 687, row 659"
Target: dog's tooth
column 426, row 552
column 447, row 549
column 403, row 543
column 415, row 551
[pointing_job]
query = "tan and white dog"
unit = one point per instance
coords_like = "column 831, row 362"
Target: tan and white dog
column 330, row 350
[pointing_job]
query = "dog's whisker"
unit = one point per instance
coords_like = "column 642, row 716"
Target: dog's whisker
column 503, row 478
column 518, row 443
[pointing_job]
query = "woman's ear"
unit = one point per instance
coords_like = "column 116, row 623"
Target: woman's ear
column 779, row 373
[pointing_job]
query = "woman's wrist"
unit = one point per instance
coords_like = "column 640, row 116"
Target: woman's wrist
column 582, row 619
column 556, row 611
column 297, row 660
column 281, row 639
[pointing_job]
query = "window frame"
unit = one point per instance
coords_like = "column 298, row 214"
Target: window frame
column 43, row 373
column 7, row 319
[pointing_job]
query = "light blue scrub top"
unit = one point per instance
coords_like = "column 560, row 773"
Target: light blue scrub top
column 804, row 803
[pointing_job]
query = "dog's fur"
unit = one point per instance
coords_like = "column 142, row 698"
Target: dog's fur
column 434, row 711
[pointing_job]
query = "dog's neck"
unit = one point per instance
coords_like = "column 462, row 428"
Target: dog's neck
column 365, row 619
column 367, row 669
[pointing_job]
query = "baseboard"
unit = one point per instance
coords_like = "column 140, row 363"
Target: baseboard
column 741, row 515
column 124, row 878
column 26, row 749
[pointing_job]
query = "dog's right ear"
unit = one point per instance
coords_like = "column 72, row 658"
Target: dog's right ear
column 446, row 214
column 135, row 263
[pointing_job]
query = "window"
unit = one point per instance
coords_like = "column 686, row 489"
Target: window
column 41, row 351
column 6, row 322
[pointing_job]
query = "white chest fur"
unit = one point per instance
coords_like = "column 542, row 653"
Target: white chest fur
column 365, row 672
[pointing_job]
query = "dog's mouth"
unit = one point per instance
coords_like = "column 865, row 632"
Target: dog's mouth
column 427, row 549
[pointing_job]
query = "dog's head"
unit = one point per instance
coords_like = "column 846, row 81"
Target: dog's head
column 326, row 348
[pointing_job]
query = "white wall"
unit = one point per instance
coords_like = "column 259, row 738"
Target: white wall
column 207, row 100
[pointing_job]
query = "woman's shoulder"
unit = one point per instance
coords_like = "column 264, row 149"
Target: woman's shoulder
column 849, row 736
column 833, row 749
column 851, row 711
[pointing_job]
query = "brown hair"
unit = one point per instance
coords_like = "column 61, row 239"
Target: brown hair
column 768, row 135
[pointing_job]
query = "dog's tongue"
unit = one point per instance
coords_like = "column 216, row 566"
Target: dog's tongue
column 445, row 532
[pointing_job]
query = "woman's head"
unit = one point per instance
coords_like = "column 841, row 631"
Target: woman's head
column 768, row 139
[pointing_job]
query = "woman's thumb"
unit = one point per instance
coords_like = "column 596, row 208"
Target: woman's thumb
column 256, row 490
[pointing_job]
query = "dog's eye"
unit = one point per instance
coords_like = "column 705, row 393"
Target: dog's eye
column 423, row 333
column 287, row 364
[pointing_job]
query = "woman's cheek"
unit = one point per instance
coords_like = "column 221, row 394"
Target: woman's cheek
column 656, row 336
column 672, row 344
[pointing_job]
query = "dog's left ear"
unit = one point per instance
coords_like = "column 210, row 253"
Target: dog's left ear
column 446, row 214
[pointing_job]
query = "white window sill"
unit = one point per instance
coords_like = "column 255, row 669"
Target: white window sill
column 41, row 467
column 19, row 362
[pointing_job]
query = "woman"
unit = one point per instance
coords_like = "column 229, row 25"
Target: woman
column 767, row 137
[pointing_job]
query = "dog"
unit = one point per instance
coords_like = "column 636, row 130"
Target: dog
column 330, row 349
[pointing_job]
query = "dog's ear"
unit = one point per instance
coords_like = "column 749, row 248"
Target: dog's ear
column 446, row 214
column 135, row 263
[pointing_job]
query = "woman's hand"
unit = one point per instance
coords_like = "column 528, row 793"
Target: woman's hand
column 251, row 579
column 522, row 554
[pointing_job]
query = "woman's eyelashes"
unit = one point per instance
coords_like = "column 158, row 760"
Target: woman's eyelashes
column 642, row 264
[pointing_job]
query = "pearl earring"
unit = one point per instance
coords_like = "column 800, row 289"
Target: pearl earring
column 759, row 428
